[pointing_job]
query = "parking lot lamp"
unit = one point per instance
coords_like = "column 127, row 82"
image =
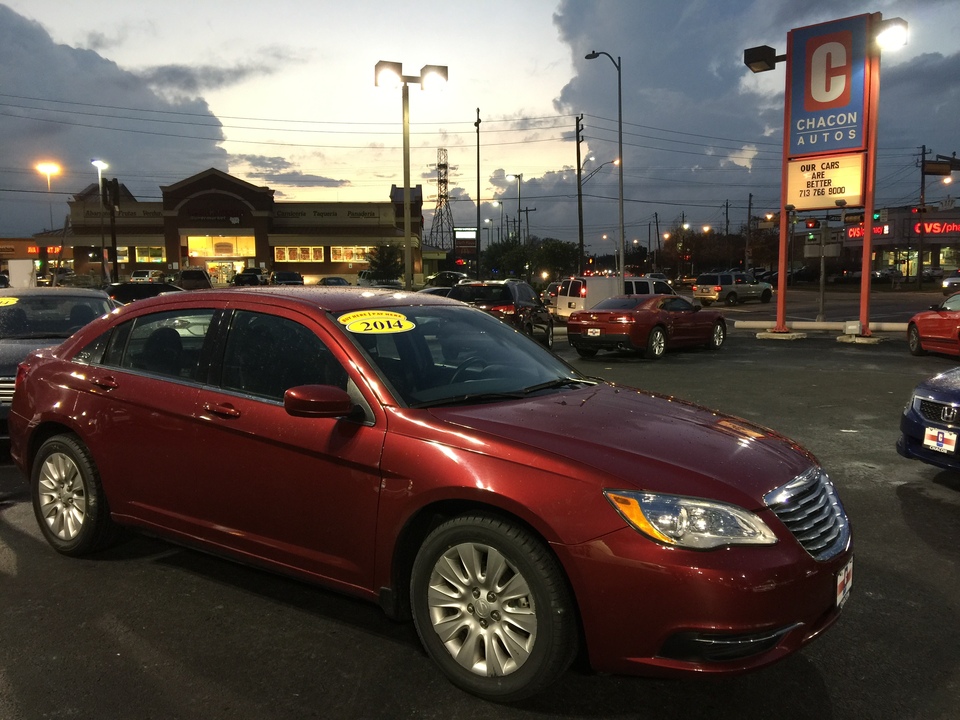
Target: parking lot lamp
column 49, row 169
column 391, row 74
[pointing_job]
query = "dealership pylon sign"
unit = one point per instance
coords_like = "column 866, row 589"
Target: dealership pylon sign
column 827, row 114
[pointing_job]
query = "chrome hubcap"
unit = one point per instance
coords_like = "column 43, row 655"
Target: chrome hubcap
column 718, row 336
column 482, row 609
column 659, row 343
column 63, row 496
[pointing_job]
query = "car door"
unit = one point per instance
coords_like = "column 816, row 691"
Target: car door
column 683, row 319
column 941, row 327
column 136, row 399
column 295, row 491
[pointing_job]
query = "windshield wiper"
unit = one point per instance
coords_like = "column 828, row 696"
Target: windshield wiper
column 503, row 395
column 558, row 383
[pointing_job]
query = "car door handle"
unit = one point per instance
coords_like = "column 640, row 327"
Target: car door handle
column 222, row 409
column 107, row 383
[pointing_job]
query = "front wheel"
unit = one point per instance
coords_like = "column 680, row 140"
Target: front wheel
column 913, row 341
column 68, row 499
column 492, row 608
column 548, row 339
column 656, row 344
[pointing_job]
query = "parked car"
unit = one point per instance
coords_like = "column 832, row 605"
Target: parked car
column 513, row 301
column 446, row 278
column 286, row 277
column 730, row 288
column 193, row 279
column 951, row 283
column 127, row 292
column 250, row 276
column 147, row 276
column 32, row 318
column 931, row 421
column 417, row 453
column 648, row 324
column 659, row 276
column 549, row 294
column 937, row 329
column 365, row 278
column 441, row 290
column 332, row 280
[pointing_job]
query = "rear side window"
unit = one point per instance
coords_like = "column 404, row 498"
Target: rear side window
column 662, row 288
column 708, row 279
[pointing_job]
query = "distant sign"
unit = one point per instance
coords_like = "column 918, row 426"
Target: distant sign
column 817, row 183
column 827, row 86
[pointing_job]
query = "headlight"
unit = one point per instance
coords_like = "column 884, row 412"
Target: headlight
column 690, row 522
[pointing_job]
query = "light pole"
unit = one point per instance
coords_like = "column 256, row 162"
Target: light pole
column 616, row 63
column 385, row 73
column 49, row 169
column 499, row 227
column 519, row 178
column 100, row 165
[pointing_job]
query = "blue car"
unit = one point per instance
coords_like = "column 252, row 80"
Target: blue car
column 931, row 422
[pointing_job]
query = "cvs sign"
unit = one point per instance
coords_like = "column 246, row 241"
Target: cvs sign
column 827, row 88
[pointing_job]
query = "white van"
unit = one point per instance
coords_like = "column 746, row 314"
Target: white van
column 582, row 293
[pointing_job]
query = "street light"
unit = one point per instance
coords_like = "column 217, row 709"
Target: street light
column 49, row 169
column 391, row 73
column 519, row 178
column 616, row 63
column 497, row 203
column 100, row 165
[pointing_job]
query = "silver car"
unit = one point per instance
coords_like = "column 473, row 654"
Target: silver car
column 731, row 288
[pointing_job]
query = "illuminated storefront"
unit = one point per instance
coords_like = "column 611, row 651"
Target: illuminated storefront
column 224, row 224
column 904, row 234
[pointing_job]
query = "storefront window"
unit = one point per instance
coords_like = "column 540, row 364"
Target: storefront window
column 147, row 255
column 349, row 254
column 313, row 253
column 221, row 246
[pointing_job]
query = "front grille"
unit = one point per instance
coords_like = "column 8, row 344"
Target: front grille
column 939, row 412
column 6, row 390
column 810, row 508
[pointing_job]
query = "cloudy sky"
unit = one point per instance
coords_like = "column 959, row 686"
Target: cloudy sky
column 282, row 94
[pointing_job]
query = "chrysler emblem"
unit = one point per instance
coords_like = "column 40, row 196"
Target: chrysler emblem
column 948, row 413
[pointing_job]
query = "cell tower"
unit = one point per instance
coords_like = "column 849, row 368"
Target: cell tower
column 441, row 231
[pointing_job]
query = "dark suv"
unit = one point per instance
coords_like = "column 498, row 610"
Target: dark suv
column 512, row 301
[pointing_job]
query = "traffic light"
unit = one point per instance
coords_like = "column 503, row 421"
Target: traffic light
column 876, row 215
column 813, row 224
column 917, row 209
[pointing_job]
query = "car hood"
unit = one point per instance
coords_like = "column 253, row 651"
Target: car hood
column 947, row 382
column 14, row 350
column 631, row 438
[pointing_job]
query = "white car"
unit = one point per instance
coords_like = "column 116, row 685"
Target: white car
column 146, row 276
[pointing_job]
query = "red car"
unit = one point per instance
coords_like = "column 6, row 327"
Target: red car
column 383, row 444
column 937, row 329
column 648, row 324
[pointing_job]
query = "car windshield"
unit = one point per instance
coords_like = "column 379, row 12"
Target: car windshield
column 49, row 316
column 436, row 355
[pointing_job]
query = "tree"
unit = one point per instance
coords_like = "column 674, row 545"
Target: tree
column 386, row 262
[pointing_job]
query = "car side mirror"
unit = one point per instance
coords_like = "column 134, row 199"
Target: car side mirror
column 317, row 401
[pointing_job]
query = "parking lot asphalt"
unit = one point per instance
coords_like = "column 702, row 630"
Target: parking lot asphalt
column 150, row 630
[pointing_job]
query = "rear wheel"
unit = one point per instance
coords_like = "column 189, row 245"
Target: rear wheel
column 492, row 608
column 732, row 299
column 717, row 335
column 68, row 499
column 656, row 344
column 913, row 341
column 706, row 303
column 765, row 296
column 586, row 352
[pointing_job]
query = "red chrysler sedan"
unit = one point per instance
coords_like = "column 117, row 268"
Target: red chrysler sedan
column 937, row 329
column 382, row 443
column 648, row 324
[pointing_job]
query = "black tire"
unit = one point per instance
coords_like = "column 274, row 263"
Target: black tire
column 656, row 344
column 68, row 498
column 548, row 340
column 718, row 334
column 706, row 303
column 586, row 352
column 731, row 299
column 451, row 592
column 913, row 341
column 765, row 296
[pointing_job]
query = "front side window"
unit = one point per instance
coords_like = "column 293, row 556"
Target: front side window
column 266, row 355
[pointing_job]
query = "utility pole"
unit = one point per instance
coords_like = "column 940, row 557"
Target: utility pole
column 746, row 249
column 579, row 195
column 922, row 214
column 526, row 211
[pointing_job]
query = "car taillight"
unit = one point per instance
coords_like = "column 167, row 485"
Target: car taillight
column 503, row 309
column 694, row 288
column 624, row 318
column 583, row 291
column 717, row 288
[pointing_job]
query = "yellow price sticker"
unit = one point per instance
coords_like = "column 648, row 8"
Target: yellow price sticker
column 8, row 301
column 376, row 322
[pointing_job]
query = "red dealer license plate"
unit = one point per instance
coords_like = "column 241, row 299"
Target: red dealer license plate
column 844, row 583
column 940, row 440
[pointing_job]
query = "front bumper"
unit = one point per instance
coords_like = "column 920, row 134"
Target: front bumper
column 910, row 443
column 653, row 610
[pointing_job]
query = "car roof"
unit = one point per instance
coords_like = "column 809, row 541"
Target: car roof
column 41, row 291
column 331, row 298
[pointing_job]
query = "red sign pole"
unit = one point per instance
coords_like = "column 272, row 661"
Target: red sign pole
column 873, row 101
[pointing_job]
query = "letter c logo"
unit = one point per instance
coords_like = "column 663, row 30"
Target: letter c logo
column 829, row 71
